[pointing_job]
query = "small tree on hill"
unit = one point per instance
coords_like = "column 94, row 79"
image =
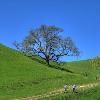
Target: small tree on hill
column 95, row 62
column 46, row 43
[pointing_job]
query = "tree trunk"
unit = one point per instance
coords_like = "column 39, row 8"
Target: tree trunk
column 47, row 60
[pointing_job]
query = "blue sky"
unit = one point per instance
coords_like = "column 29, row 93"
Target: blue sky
column 80, row 19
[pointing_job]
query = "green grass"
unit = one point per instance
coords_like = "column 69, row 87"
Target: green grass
column 21, row 76
column 89, row 94
column 84, row 68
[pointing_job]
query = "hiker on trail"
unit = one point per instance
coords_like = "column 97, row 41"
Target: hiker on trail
column 65, row 88
column 74, row 88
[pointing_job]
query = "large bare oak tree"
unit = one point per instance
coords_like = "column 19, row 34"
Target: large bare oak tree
column 47, row 43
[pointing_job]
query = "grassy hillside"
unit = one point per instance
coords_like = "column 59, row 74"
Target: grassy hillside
column 21, row 76
column 89, row 94
column 84, row 68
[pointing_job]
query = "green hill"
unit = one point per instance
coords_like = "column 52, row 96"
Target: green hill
column 88, row 94
column 21, row 76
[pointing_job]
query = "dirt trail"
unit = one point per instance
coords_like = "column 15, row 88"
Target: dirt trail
column 59, row 91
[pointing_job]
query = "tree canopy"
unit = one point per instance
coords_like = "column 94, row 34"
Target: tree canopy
column 47, row 43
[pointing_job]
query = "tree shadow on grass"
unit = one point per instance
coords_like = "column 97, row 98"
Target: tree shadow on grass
column 54, row 66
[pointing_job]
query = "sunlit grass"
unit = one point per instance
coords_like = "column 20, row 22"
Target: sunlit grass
column 21, row 76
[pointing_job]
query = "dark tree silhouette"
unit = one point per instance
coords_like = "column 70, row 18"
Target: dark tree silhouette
column 46, row 43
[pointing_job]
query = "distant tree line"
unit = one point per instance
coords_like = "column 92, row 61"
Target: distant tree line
column 95, row 62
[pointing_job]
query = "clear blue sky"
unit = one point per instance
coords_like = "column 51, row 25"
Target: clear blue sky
column 79, row 18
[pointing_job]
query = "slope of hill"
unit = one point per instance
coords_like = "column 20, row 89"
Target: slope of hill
column 84, row 68
column 21, row 76
column 92, row 93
